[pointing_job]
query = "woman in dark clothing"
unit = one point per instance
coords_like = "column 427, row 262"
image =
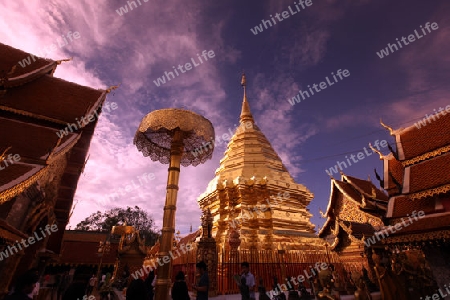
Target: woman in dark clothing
column 24, row 286
column 76, row 289
column 179, row 288
column 149, row 285
column 137, row 290
column 244, row 290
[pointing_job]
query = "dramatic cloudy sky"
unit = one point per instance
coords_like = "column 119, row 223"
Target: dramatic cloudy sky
column 138, row 47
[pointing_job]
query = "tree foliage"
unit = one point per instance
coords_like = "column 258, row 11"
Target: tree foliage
column 136, row 217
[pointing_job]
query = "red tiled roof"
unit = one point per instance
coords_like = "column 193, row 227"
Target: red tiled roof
column 59, row 100
column 430, row 173
column 427, row 224
column 76, row 252
column 10, row 62
column 81, row 247
column 43, row 139
column 434, row 135
column 403, row 206
column 367, row 188
column 347, row 189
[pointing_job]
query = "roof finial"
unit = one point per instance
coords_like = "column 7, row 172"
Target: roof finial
column 391, row 131
column 246, row 115
column 376, row 151
column 243, row 80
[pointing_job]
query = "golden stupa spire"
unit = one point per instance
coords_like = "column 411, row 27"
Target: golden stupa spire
column 246, row 115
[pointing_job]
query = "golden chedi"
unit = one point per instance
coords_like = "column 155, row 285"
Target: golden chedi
column 254, row 194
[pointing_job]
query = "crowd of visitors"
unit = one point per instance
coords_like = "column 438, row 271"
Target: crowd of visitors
column 79, row 286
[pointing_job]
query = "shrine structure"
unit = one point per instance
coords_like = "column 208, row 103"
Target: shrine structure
column 356, row 209
column 254, row 198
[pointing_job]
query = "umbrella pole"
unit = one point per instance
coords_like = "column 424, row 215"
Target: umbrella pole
column 163, row 281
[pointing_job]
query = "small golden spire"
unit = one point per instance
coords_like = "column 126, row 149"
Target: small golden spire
column 246, row 115
column 243, row 81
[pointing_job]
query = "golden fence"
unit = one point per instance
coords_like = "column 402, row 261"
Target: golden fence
column 266, row 265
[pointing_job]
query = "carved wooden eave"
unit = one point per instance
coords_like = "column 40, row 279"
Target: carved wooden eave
column 330, row 206
column 336, row 232
column 325, row 226
column 26, row 180
column 17, row 78
column 349, row 231
column 418, row 237
column 428, row 155
column 10, row 233
column 430, row 192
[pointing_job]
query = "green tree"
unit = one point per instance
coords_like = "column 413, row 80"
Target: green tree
column 140, row 219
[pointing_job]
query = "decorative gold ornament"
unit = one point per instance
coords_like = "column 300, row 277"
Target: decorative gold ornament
column 425, row 156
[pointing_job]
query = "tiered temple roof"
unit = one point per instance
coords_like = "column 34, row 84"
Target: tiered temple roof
column 417, row 179
column 38, row 189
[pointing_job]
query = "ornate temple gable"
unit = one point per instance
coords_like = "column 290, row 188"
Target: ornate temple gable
column 347, row 221
column 347, row 203
column 241, row 196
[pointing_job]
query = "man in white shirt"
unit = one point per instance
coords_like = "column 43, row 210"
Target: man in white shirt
column 249, row 278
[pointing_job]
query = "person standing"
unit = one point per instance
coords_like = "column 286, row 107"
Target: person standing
column 244, row 290
column 249, row 279
column 24, row 287
column 34, row 293
column 64, row 283
column 202, row 286
column 149, row 285
column 179, row 289
column 102, row 281
column 136, row 290
column 77, row 288
column 91, row 285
